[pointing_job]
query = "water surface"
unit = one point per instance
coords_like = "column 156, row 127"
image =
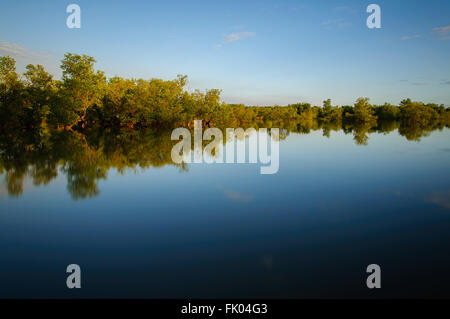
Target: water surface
column 140, row 226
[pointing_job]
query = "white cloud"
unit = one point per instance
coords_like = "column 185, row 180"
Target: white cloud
column 238, row 36
column 18, row 52
column 443, row 32
column 24, row 56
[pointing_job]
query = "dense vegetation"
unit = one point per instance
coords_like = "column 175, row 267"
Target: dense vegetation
column 85, row 98
column 84, row 124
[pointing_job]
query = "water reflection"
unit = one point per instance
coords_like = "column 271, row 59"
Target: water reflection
column 85, row 158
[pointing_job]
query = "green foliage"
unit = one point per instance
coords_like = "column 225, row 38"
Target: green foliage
column 11, row 92
column 85, row 98
column 387, row 112
column 8, row 75
column 363, row 111
column 417, row 113
column 329, row 113
column 39, row 90
column 81, row 88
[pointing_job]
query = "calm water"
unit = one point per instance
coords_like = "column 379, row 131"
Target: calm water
column 224, row 230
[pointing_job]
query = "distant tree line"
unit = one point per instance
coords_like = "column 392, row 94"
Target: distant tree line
column 84, row 97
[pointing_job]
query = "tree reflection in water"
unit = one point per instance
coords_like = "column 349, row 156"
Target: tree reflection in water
column 86, row 157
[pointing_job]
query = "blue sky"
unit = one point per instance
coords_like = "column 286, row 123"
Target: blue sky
column 257, row 52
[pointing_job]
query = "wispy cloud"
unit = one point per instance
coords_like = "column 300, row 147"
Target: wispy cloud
column 235, row 37
column 443, row 32
column 26, row 56
column 238, row 36
column 18, row 52
column 409, row 37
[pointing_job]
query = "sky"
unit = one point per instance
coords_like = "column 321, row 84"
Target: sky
column 257, row 52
